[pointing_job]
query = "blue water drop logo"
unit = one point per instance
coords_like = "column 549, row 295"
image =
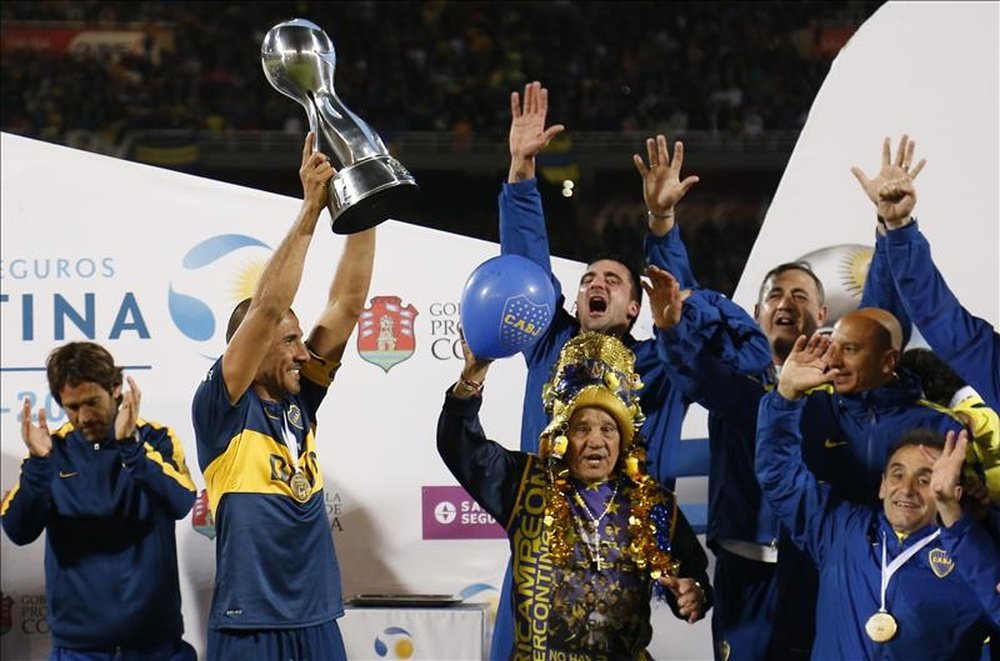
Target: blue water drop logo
column 191, row 315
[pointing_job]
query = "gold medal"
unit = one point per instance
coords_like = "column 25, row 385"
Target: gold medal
column 881, row 627
column 301, row 488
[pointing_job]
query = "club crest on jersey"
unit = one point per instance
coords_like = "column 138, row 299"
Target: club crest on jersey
column 386, row 333
column 941, row 562
column 294, row 416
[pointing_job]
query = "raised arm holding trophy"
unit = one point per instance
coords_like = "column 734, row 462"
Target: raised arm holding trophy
column 370, row 185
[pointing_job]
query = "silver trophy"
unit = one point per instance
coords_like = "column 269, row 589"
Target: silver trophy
column 370, row 185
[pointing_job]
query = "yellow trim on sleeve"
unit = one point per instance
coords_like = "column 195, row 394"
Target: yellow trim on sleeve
column 9, row 497
column 181, row 475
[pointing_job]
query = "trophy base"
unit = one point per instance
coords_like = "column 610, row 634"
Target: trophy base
column 365, row 193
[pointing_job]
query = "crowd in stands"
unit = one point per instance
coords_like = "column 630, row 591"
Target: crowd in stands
column 727, row 67
column 434, row 66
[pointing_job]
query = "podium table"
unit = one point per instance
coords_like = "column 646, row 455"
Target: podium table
column 454, row 633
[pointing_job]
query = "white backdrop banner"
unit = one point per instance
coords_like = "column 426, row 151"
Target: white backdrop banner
column 149, row 263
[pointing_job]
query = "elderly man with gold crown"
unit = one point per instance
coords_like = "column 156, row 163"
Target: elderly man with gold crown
column 591, row 534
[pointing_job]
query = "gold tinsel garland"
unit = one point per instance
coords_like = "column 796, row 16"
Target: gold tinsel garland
column 644, row 532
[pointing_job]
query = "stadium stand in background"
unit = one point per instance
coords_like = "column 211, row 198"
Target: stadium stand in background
column 179, row 84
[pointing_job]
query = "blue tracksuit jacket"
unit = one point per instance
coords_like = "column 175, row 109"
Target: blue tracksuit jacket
column 718, row 357
column 522, row 232
column 968, row 344
column 939, row 616
column 712, row 355
column 109, row 511
column 880, row 290
column 976, row 549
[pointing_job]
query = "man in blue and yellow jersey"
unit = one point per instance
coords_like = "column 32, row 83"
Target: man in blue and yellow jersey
column 107, row 487
column 277, row 582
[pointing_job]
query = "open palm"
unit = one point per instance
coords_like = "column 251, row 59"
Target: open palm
column 892, row 190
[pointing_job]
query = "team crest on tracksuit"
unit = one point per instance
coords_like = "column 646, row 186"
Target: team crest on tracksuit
column 385, row 332
column 941, row 562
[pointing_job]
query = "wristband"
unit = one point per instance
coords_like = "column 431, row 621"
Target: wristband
column 470, row 386
column 654, row 216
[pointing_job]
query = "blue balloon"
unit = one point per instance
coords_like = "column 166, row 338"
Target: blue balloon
column 507, row 304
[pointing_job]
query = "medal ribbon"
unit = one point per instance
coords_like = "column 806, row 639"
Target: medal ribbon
column 900, row 560
column 291, row 442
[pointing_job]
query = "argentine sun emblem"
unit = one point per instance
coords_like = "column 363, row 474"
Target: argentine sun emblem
column 385, row 332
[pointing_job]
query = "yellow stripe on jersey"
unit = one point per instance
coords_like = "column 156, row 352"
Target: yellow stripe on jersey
column 257, row 463
column 180, row 474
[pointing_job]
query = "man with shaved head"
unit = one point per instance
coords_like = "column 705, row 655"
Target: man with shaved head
column 866, row 349
column 277, row 581
column 847, row 427
column 867, row 609
column 870, row 402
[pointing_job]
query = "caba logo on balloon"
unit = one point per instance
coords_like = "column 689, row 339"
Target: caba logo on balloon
column 507, row 304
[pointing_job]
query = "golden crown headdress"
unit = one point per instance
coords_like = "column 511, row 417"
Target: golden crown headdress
column 597, row 370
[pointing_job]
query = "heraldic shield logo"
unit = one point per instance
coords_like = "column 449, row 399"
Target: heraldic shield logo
column 385, row 332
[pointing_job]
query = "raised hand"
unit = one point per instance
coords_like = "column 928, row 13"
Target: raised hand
column 807, row 366
column 528, row 134
column 892, row 190
column 947, row 470
column 946, row 476
column 689, row 595
column 36, row 437
column 128, row 412
column 665, row 297
column 315, row 173
column 662, row 187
